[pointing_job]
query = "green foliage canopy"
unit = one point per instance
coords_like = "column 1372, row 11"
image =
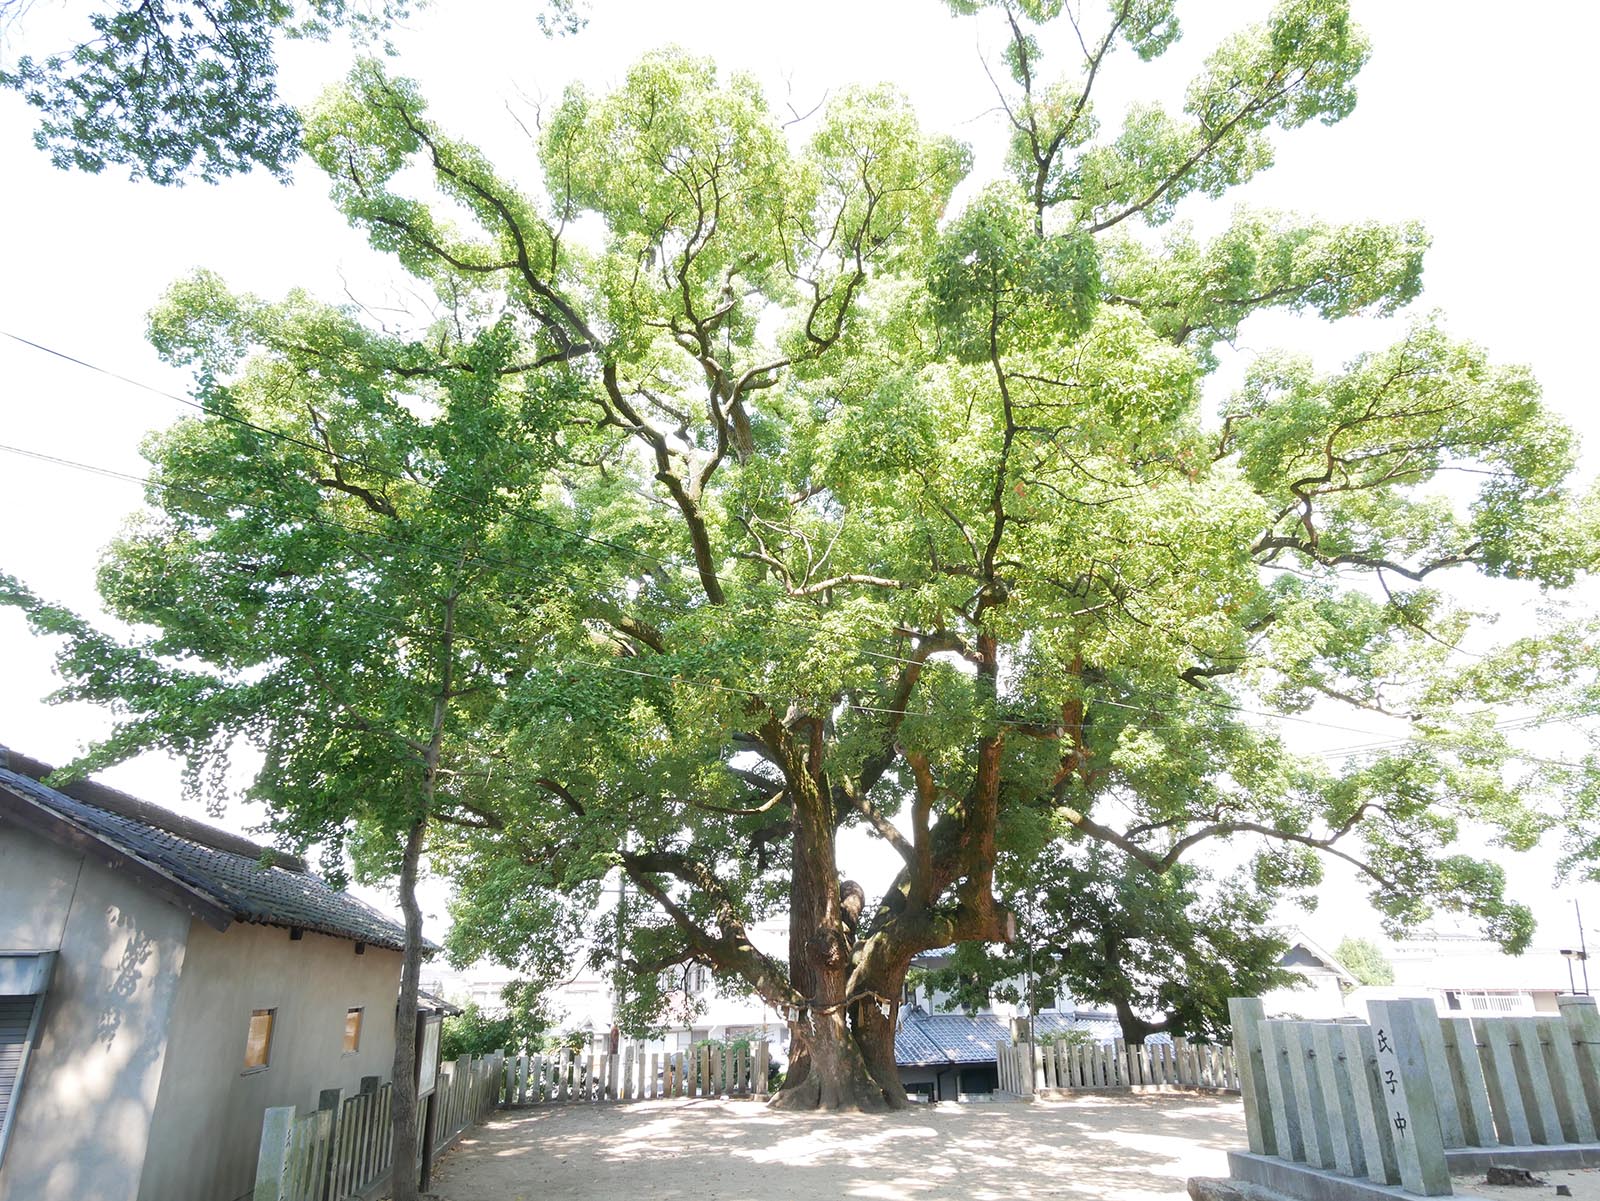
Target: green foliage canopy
column 791, row 502
column 182, row 89
column 1165, row 952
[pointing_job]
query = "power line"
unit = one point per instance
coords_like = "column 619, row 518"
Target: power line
column 543, row 580
column 517, row 567
column 267, row 431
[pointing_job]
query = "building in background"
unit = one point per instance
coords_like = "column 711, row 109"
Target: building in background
column 162, row 983
column 1323, row 986
column 947, row 1054
column 585, row 1003
column 1467, row 975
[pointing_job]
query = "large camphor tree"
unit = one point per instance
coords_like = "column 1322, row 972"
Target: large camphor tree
column 870, row 511
column 931, row 534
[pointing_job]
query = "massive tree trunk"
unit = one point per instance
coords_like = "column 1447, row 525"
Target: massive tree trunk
column 827, row 1069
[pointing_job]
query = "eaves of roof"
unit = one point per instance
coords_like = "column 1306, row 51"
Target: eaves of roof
column 215, row 885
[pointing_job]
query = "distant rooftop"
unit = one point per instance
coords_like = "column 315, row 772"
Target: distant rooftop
column 935, row 1039
column 217, row 876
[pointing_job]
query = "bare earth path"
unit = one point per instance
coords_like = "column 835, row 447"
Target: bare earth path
column 1094, row 1147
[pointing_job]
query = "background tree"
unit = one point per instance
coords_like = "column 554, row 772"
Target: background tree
column 1165, row 952
column 325, row 575
column 930, row 534
column 182, row 89
column 1365, row 960
column 518, row 1027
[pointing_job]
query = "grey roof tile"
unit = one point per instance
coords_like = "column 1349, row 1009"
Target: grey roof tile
column 250, row 891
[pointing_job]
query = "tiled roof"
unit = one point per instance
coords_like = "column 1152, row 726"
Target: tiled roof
column 240, row 884
column 922, row 1039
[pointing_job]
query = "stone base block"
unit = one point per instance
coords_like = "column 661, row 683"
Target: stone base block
column 1298, row 1182
column 1555, row 1157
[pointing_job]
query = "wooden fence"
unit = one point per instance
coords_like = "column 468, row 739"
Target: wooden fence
column 1388, row 1098
column 343, row 1149
column 636, row 1075
column 1035, row 1069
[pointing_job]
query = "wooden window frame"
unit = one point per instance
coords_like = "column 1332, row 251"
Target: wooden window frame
column 360, row 1012
column 266, row 1051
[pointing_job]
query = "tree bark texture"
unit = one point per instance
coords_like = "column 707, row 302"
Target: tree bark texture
column 403, row 1172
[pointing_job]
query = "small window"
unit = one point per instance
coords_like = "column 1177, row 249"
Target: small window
column 258, row 1046
column 352, row 1031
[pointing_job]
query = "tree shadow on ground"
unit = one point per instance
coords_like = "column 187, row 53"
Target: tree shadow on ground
column 1091, row 1148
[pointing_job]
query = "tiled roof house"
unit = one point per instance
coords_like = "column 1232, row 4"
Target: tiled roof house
column 162, row 983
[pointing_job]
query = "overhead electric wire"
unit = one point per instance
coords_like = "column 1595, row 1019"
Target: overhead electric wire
column 537, row 519
column 519, row 568
column 715, row 685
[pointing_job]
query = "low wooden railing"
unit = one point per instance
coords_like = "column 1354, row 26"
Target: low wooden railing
column 343, row 1150
column 1030, row 1070
column 632, row 1074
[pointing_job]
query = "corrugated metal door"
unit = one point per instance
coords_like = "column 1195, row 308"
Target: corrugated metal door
column 16, row 1014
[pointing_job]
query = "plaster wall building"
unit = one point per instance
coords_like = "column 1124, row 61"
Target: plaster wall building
column 177, row 981
column 1464, row 974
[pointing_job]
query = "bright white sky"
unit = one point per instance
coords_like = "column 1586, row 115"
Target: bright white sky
column 1473, row 117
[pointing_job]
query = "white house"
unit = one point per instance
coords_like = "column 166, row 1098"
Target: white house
column 1465, row 974
column 1324, row 982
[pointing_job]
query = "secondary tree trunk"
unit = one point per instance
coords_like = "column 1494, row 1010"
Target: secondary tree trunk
column 403, row 1173
column 1136, row 1029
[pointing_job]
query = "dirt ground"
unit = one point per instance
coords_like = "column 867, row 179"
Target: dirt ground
column 1584, row 1183
column 1090, row 1148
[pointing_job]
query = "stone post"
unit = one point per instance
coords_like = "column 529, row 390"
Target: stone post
column 1308, row 1095
column 272, row 1167
column 1582, row 1019
column 1338, row 1102
column 1461, row 1048
column 1246, row 1014
column 1406, row 1081
column 1371, row 1108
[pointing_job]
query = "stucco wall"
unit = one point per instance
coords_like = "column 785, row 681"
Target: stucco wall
column 81, row 1120
column 1320, row 999
column 207, row 1127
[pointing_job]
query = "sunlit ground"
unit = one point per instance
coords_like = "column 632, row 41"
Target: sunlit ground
column 1093, row 1147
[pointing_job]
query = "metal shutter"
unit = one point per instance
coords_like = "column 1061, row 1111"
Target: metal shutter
column 16, row 1014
